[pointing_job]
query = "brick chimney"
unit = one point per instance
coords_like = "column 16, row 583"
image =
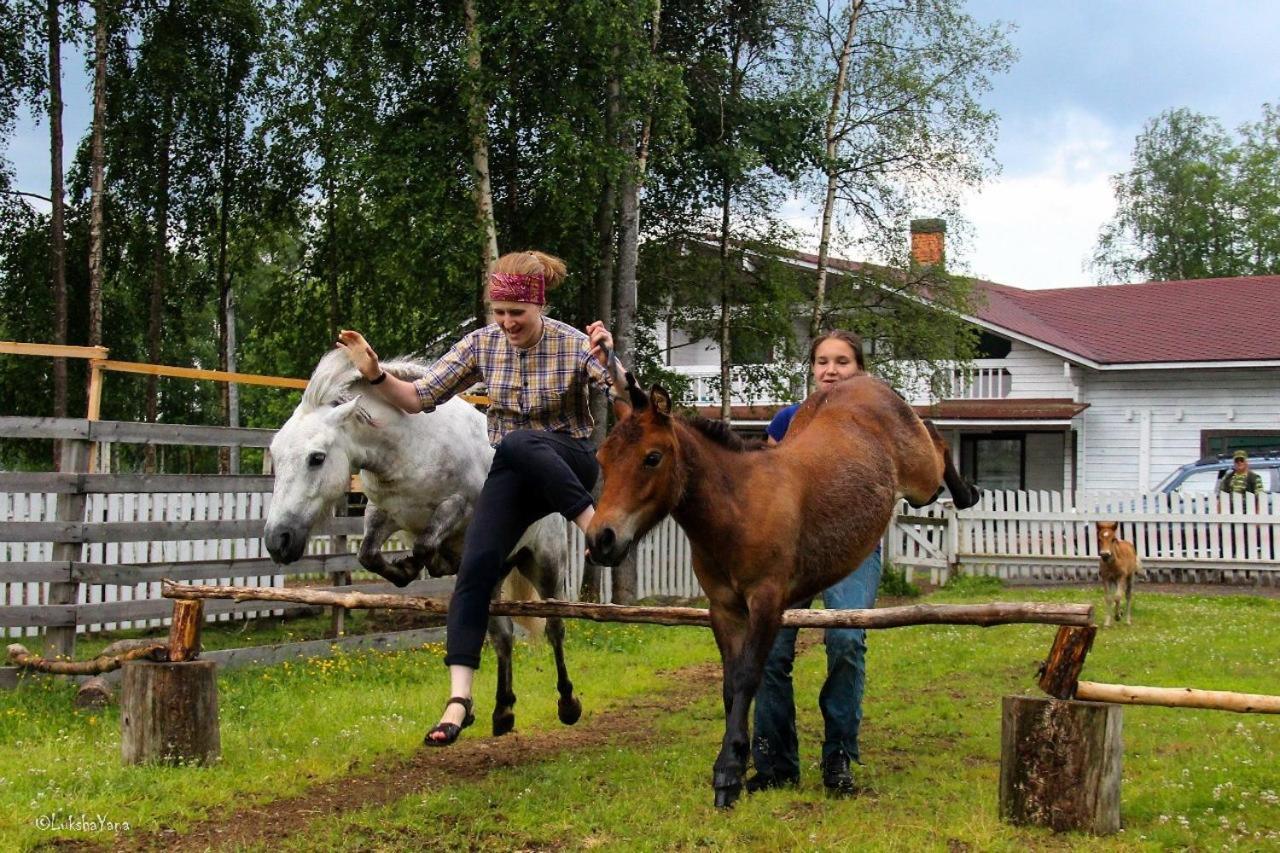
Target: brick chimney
column 928, row 242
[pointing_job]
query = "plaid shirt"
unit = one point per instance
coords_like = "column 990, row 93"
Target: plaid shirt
column 543, row 387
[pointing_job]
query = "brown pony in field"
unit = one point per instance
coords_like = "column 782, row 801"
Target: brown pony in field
column 1117, row 564
column 769, row 526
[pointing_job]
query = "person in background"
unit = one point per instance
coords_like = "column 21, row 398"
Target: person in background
column 1240, row 480
column 833, row 357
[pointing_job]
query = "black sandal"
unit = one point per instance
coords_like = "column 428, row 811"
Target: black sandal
column 451, row 730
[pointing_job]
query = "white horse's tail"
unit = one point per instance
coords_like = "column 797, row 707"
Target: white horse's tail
column 517, row 588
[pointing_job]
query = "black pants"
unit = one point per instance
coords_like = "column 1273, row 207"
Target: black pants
column 534, row 474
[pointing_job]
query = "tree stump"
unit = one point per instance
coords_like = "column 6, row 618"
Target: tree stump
column 169, row 713
column 94, row 693
column 1060, row 764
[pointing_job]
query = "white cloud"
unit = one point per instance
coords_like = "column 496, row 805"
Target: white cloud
column 1037, row 228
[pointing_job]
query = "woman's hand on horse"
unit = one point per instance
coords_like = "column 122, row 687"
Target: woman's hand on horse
column 599, row 334
column 360, row 353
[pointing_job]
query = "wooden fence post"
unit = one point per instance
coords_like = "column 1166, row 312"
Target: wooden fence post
column 61, row 640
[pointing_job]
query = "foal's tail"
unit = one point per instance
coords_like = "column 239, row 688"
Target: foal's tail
column 963, row 494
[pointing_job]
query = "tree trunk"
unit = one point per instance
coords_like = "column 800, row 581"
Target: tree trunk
column 1060, row 764
column 606, row 209
column 159, row 271
column 233, row 390
column 97, row 168
column 225, row 178
column 478, row 121
column 629, row 241
column 829, row 202
column 726, row 281
column 57, row 239
column 169, row 713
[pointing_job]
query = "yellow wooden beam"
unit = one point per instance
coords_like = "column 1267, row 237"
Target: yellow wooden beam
column 52, row 350
column 197, row 373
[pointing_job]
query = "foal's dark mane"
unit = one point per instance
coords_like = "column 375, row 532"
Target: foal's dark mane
column 722, row 434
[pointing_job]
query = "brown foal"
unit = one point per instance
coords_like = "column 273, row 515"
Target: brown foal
column 769, row 527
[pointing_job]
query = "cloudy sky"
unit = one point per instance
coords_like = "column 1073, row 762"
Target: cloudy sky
column 1090, row 75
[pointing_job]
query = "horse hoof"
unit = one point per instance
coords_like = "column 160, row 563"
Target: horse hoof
column 570, row 710
column 503, row 722
column 726, row 797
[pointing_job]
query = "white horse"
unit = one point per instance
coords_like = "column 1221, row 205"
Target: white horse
column 422, row 473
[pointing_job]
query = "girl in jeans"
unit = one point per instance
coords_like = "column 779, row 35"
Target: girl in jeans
column 833, row 357
column 537, row 372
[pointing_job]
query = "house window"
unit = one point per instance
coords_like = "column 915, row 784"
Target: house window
column 993, row 346
column 996, row 461
column 1216, row 441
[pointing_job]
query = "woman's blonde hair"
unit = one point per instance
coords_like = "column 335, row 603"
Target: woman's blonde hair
column 551, row 268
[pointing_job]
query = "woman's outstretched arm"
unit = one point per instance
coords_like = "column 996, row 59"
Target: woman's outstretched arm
column 389, row 389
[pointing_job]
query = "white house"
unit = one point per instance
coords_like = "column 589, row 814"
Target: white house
column 1091, row 388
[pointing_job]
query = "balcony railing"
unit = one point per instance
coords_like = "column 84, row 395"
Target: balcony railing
column 705, row 384
column 978, row 382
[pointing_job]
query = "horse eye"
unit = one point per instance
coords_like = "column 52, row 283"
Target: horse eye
column 652, row 459
column 315, row 460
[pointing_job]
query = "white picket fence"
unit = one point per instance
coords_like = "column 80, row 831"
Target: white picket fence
column 1047, row 536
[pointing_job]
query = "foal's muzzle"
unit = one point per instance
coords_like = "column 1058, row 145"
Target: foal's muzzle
column 607, row 549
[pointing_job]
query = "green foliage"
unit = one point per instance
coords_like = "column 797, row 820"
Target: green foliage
column 894, row 583
column 1195, row 203
column 960, row 584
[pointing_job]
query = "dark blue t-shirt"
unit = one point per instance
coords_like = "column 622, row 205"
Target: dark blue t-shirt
column 781, row 422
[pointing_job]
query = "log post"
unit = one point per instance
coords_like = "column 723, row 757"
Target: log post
column 184, row 630
column 1061, row 670
column 1060, row 764
column 94, row 693
column 169, row 713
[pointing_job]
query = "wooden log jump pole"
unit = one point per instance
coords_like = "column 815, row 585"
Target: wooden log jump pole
column 888, row 617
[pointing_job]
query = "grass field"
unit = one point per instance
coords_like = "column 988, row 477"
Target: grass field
column 327, row 753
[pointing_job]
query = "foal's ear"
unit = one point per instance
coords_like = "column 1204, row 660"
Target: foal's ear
column 639, row 400
column 661, row 399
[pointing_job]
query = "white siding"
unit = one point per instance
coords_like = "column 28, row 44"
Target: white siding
column 1036, row 374
column 684, row 353
column 1174, row 405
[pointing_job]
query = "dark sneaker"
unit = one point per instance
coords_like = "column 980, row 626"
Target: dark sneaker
column 768, row 781
column 836, row 776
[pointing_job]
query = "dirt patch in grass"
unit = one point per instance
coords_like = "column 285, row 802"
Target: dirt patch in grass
column 472, row 758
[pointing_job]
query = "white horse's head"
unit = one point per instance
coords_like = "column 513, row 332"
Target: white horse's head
column 311, row 455
column 314, row 455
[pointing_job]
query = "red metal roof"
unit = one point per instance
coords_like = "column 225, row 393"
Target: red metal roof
column 1215, row 319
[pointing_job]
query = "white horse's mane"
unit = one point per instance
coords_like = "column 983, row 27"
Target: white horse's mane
column 331, row 381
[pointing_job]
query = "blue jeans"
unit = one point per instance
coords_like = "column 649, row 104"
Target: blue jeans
column 775, row 748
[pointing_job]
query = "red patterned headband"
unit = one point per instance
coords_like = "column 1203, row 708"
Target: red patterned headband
column 518, row 287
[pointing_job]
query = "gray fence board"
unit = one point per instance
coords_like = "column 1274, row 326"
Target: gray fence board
column 132, row 483
column 15, row 427
column 153, row 531
column 34, row 571
column 128, row 432
column 184, row 570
